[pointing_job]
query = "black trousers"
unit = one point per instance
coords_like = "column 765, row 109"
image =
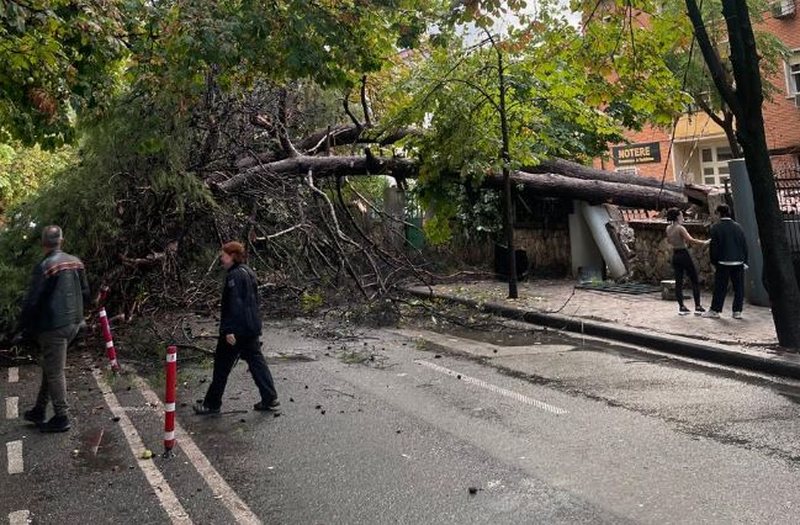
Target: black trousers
column 723, row 274
column 225, row 358
column 682, row 263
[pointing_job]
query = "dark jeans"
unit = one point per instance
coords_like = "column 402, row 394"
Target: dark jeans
column 53, row 345
column 723, row 274
column 225, row 358
column 682, row 262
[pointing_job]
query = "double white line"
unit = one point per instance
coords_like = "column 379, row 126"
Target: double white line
column 222, row 491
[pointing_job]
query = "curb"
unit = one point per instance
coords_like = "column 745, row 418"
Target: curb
column 677, row 345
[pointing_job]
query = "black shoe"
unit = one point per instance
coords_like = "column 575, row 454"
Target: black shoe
column 34, row 415
column 202, row 410
column 272, row 406
column 683, row 310
column 699, row 310
column 55, row 424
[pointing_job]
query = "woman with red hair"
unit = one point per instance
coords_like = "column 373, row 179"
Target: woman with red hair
column 239, row 334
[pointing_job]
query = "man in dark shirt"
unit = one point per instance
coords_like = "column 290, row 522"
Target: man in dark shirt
column 239, row 334
column 52, row 314
column 728, row 253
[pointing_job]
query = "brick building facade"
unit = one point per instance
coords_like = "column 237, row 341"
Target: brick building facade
column 700, row 150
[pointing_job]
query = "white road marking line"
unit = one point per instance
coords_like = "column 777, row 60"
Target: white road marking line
column 241, row 512
column 20, row 517
column 496, row 389
column 166, row 496
column 13, row 374
column 12, row 407
column 14, row 452
column 142, row 409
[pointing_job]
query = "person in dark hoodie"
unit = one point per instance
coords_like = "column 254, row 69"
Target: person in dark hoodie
column 52, row 314
column 728, row 254
column 239, row 334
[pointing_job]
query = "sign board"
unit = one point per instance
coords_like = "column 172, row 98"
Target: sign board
column 637, row 154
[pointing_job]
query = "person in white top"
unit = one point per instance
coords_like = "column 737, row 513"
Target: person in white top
column 679, row 238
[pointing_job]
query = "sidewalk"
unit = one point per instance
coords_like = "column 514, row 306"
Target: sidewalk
column 644, row 320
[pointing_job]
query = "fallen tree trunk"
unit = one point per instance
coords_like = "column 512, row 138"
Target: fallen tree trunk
column 599, row 191
column 579, row 171
column 326, row 167
column 595, row 191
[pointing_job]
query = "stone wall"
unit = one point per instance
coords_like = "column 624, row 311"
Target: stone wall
column 548, row 250
column 653, row 261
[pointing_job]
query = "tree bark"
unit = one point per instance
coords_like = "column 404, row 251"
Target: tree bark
column 547, row 184
column 598, row 191
column 352, row 134
column 579, row 171
column 325, row 167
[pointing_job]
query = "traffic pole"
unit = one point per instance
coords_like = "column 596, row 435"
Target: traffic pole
column 111, row 352
column 103, row 295
column 169, row 399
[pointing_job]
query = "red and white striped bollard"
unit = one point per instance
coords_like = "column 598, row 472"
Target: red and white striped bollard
column 103, row 295
column 111, row 352
column 169, row 399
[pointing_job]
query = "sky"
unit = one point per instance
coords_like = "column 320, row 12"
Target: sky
column 474, row 34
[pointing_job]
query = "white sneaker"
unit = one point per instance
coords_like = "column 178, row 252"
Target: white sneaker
column 737, row 315
column 711, row 314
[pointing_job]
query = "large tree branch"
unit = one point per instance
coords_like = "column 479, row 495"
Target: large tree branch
column 596, row 191
column 353, row 134
column 579, row 171
column 624, row 191
column 718, row 74
column 325, row 167
column 349, row 112
column 283, row 126
column 726, row 123
column 365, row 102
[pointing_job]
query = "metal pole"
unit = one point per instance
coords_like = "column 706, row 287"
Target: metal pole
column 744, row 210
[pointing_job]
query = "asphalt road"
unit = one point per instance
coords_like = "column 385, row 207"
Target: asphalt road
column 398, row 426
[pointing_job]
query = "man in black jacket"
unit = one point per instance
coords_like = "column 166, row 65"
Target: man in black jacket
column 728, row 253
column 239, row 335
column 52, row 314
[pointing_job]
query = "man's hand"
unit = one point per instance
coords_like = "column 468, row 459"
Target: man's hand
column 231, row 339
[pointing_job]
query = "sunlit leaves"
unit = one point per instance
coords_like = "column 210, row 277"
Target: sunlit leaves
column 24, row 170
column 550, row 110
column 57, row 58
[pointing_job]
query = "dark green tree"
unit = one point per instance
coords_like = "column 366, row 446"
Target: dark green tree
column 743, row 92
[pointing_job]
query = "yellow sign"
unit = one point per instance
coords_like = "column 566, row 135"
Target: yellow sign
column 637, row 154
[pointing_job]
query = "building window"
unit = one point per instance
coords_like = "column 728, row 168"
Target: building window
column 793, row 74
column 714, row 165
